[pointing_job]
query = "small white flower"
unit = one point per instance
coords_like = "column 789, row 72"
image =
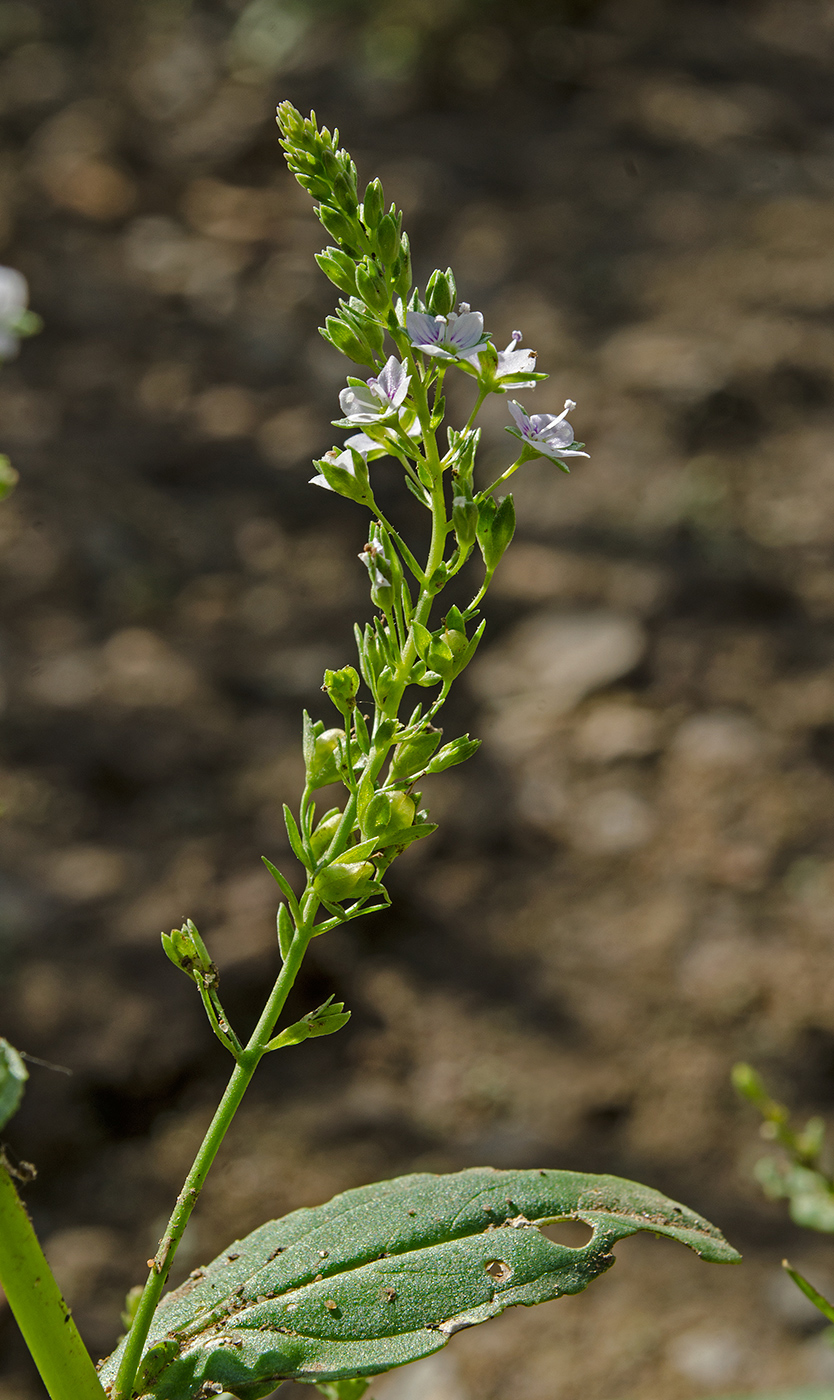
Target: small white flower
column 14, row 298
column 457, row 336
column 344, row 459
column 548, row 433
column 512, row 365
column 378, row 398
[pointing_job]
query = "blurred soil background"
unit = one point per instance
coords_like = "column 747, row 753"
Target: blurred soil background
column 634, row 884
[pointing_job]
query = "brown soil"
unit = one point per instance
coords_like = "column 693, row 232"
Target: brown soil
column 633, row 884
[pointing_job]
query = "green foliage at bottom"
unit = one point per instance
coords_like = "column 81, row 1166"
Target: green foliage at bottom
column 386, row 1274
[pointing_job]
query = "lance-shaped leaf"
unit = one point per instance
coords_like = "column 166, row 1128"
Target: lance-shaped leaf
column 387, row 1273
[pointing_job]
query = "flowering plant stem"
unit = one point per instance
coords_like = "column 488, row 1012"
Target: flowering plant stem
column 38, row 1307
column 346, row 854
column 239, row 1082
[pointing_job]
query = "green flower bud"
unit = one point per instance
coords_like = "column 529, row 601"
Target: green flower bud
column 339, row 227
column 344, row 192
column 324, row 832
column 188, row 952
column 339, row 268
column 496, row 527
column 464, row 521
column 386, row 812
column 323, row 767
column 402, row 275
column 344, row 879
column 412, row 756
column 373, row 205
column 345, row 340
column 387, row 238
column 371, row 286
column 457, row 752
column 441, row 292
column 454, row 632
column 342, row 687
column 326, row 1019
column 356, row 318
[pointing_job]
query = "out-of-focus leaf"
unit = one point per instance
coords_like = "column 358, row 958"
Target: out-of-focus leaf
column 387, row 1273
column 13, row 1076
column 809, row 1195
column 8, row 477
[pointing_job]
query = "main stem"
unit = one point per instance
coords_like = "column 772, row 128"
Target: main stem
column 34, row 1297
column 256, row 1047
column 188, row 1196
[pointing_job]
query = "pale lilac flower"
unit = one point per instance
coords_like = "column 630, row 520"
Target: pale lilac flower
column 457, row 336
column 14, row 297
column 548, row 433
column 512, row 365
column 378, row 398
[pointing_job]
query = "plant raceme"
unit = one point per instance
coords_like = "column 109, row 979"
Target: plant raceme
column 456, row 1250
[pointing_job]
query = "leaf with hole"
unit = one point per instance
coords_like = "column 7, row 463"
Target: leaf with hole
column 385, row 1274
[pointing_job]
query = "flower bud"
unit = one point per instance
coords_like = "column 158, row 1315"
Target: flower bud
column 402, row 274
column 464, row 521
column 344, row 192
column 344, row 879
column 188, row 952
column 371, row 286
column 324, row 764
column 387, row 812
column 441, row 292
column 496, row 527
column 326, row 1019
column 373, row 205
column 454, row 632
column 339, row 268
column 412, row 756
column 345, row 340
column 338, row 226
column 379, row 571
column 342, row 687
column 457, row 752
column 370, row 332
column 387, row 237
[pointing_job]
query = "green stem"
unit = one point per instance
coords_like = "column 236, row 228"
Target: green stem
column 187, row 1199
column 476, row 410
column 43, row 1317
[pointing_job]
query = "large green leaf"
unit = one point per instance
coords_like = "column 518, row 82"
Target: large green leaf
column 385, row 1274
column 13, row 1076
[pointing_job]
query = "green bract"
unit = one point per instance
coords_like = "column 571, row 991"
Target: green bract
column 388, row 1273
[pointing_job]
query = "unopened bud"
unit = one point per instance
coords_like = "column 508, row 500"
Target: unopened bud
column 441, row 292
column 373, row 205
column 464, row 521
column 188, row 952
